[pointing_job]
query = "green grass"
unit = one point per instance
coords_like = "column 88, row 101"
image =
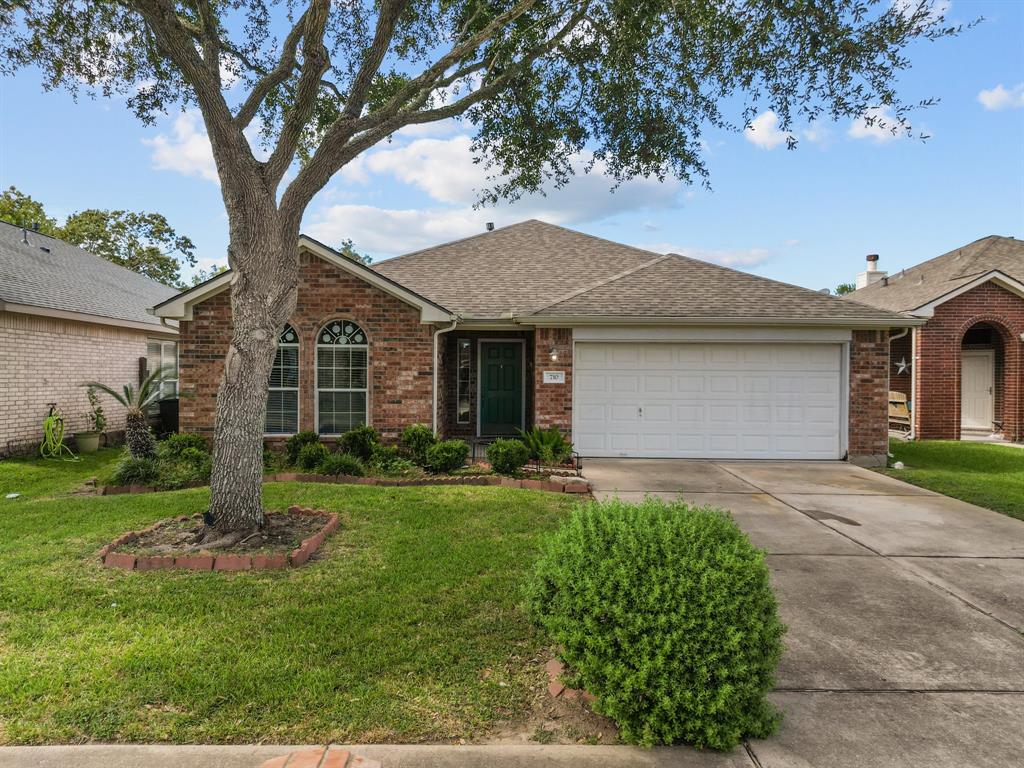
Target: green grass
column 988, row 475
column 386, row 638
column 36, row 478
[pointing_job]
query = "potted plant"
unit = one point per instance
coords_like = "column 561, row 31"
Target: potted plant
column 89, row 441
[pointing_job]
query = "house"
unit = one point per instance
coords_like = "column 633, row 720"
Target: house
column 962, row 369
column 629, row 352
column 68, row 316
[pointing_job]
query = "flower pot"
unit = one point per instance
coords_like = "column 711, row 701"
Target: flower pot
column 87, row 442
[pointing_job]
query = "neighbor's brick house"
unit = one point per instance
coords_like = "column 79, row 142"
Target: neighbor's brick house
column 961, row 370
column 628, row 352
column 66, row 317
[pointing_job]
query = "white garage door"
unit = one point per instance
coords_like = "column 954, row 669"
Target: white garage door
column 735, row 401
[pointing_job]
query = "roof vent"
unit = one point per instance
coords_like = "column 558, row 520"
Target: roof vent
column 35, row 226
column 44, row 249
column 825, row 291
column 24, row 236
column 490, row 226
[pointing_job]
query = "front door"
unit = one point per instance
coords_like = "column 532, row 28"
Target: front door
column 976, row 379
column 501, row 387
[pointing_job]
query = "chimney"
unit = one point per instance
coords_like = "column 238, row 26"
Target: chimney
column 871, row 274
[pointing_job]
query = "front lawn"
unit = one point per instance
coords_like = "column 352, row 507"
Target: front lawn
column 408, row 627
column 988, row 475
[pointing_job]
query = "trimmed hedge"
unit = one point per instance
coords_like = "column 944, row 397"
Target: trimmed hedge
column 507, row 456
column 293, row 445
column 311, row 456
column 416, row 441
column 665, row 613
column 446, row 456
column 360, row 442
column 341, row 464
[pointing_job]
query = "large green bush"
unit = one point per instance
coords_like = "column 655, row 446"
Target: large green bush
column 416, row 441
column 507, row 456
column 665, row 613
column 341, row 464
column 173, row 445
column 311, row 456
column 293, row 445
column 447, row 456
column 360, row 442
column 136, row 471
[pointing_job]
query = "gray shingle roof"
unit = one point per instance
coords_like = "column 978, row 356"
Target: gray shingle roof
column 543, row 269
column 73, row 280
column 933, row 279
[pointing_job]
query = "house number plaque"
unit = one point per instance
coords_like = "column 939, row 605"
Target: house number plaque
column 554, row 377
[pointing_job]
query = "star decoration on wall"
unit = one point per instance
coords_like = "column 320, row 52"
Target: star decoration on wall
column 902, row 366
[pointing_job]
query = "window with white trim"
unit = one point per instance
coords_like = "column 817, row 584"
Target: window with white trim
column 341, row 375
column 163, row 356
column 462, row 380
column 283, row 387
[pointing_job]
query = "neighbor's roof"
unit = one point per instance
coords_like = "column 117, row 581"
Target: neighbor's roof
column 542, row 270
column 51, row 274
column 931, row 280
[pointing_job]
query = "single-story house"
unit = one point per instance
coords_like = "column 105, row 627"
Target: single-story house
column 630, row 353
column 962, row 371
column 68, row 316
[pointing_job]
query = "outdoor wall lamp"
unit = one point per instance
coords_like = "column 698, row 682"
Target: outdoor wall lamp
column 553, row 352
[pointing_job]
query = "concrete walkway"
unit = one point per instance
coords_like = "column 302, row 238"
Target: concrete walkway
column 905, row 609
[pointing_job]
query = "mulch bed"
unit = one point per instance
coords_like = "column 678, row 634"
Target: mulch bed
column 289, row 539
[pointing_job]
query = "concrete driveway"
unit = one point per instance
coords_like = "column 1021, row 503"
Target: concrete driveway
column 905, row 609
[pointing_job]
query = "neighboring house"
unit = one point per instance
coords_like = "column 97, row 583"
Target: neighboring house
column 632, row 353
column 66, row 317
column 962, row 370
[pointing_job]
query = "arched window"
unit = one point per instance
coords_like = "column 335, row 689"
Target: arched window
column 341, row 360
column 283, row 392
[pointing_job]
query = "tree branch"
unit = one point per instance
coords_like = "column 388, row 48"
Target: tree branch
column 386, row 21
column 272, row 79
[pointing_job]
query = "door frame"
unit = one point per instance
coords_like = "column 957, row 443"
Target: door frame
column 991, row 355
column 479, row 378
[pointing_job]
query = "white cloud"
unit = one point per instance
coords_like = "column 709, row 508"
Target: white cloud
column 187, row 150
column 764, row 132
column 1000, row 97
column 933, row 9
column 737, row 258
column 877, row 125
column 818, row 133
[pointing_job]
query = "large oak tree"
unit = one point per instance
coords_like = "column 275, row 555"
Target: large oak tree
column 629, row 84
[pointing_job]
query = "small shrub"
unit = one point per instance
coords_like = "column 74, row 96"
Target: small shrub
column 192, row 466
column 311, row 456
column 547, row 446
column 416, row 440
column 360, row 442
column 293, row 445
column 665, row 613
column 273, row 461
column 507, row 456
column 446, row 456
column 384, row 456
column 136, row 471
column 173, row 445
column 341, row 464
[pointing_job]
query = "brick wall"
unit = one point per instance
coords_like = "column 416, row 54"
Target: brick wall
column 45, row 360
column 553, row 402
column 937, row 411
column 401, row 369
column 869, row 397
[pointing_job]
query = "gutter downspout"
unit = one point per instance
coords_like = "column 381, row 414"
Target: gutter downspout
column 433, row 398
column 913, row 372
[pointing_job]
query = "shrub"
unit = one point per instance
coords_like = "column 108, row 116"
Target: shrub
column 417, row 440
column 507, row 456
column 341, row 463
column 547, row 446
column 136, row 471
column 293, row 445
column 446, row 456
column 311, row 456
column 192, row 466
column 173, row 445
column 360, row 442
column 665, row 613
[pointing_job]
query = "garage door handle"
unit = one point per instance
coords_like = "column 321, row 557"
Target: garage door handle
column 640, row 411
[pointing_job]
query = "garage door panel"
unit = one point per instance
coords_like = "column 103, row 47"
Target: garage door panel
column 708, row 400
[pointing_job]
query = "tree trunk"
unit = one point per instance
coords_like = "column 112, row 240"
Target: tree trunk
column 264, row 255
column 137, row 436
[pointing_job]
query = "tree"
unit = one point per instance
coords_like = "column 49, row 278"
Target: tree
column 142, row 242
column 844, row 288
column 202, row 275
column 135, row 401
column 625, row 88
column 348, row 248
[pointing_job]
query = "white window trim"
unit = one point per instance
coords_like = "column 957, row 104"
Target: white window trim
column 317, row 389
column 297, row 389
column 458, row 372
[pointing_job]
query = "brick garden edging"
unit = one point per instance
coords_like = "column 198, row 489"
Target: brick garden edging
column 557, row 689
column 555, row 484
column 213, row 562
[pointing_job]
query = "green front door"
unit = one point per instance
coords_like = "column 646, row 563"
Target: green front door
column 501, row 387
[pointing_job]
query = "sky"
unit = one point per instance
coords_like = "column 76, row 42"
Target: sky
column 806, row 216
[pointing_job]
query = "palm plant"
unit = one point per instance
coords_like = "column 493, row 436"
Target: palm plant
column 137, row 437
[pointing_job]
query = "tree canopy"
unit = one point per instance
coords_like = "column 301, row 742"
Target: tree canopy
column 143, row 242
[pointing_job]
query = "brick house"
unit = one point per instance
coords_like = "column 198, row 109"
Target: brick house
column 68, row 316
column 629, row 352
column 961, row 370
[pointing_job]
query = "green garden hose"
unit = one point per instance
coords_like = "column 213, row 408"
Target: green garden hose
column 53, row 446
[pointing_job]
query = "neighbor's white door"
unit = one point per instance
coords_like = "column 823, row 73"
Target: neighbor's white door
column 977, row 374
column 708, row 400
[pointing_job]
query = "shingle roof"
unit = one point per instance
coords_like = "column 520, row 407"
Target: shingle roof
column 933, row 279
column 70, row 279
column 542, row 269
column 678, row 286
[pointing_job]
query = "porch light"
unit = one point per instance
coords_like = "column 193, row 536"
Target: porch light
column 553, row 352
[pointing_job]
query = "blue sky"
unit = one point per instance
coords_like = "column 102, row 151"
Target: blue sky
column 806, row 216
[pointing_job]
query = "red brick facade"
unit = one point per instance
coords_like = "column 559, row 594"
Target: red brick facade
column 869, row 396
column 400, row 378
column 553, row 403
column 936, row 412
